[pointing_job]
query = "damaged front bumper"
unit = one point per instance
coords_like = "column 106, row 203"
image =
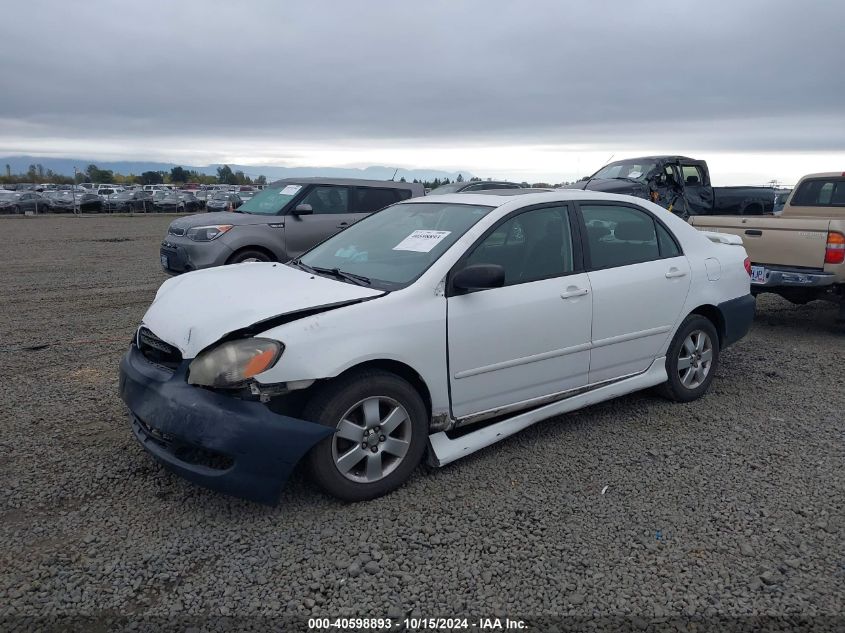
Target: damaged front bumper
column 239, row 447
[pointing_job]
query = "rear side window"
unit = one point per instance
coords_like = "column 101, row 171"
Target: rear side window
column 620, row 236
column 668, row 246
column 820, row 192
column 691, row 175
column 370, row 200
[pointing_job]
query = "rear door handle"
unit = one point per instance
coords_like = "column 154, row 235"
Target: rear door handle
column 674, row 273
column 574, row 292
column 756, row 232
column 343, row 225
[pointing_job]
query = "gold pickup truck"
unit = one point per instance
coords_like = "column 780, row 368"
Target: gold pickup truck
column 800, row 254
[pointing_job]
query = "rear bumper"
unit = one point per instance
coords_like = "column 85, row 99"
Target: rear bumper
column 737, row 315
column 238, row 447
column 793, row 278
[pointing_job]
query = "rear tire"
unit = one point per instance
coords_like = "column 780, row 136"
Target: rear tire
column 382, row 430
column 250, row 256
column 691, row 360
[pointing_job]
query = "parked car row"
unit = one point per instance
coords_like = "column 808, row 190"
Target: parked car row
column 112, row 201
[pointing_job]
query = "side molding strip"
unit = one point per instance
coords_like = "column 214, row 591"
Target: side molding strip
column 446, row 450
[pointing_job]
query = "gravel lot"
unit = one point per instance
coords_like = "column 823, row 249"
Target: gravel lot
column 729, row 506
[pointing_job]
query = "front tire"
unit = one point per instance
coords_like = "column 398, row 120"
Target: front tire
column 691, row 360
column 382, row 429
column 250, row 256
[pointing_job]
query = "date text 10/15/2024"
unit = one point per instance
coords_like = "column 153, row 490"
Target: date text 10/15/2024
column 415, row 624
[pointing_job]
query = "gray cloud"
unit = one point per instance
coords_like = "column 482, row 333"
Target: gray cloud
column 757, row 75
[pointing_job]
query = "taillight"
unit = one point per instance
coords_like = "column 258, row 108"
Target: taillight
column 748, row 266
column 834, row 252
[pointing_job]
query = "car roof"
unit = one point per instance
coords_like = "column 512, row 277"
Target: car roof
column 318, row 180
column 521, row 191
column 494, row 200
column 656, row 157
column 825, row 174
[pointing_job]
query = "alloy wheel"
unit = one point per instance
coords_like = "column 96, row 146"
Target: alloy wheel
column 695, row 359
column 372, row 439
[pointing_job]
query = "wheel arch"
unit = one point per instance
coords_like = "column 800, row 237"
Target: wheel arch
column 406, row 372
column 756, row 206
column 714, row 315
column 260, row 249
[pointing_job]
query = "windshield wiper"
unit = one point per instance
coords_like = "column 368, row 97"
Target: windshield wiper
column 300, row 265
column 341, row 274
column 334, row 272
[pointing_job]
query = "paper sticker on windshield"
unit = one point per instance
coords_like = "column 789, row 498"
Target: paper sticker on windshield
column 421, row 241
column 635, row 174
column 290, row 190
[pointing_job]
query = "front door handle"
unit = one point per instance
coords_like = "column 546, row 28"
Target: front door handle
column 574, row 292
column 343, row 225
column 674, row 273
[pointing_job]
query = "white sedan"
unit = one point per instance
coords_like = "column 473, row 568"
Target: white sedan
column 433, row 326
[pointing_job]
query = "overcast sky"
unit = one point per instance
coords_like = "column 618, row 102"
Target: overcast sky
column 525, row 90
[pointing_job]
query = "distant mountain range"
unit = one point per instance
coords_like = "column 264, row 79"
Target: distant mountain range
column 64, row 166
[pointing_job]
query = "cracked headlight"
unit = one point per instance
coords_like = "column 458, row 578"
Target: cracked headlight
column 232, row 364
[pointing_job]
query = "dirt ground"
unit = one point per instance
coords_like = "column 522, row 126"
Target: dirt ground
column 732, row 505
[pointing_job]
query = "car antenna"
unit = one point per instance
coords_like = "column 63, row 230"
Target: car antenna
column 393, row 177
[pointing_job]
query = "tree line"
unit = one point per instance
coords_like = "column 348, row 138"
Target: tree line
column 36, row 174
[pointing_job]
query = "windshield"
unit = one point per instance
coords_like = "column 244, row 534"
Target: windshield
column 270, row 201
column 396, row 245
column 630, row 170
column 452, row 188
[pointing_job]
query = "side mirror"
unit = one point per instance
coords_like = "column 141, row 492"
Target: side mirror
column 479, row 277
column 303, row 209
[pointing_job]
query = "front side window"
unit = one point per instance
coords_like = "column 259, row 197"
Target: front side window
column 270, row 201
column 820, row 192
column 393, row 247
column 327, row 199
column 620, row 236
column 530, row 246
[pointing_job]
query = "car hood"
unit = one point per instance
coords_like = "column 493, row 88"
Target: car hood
column 609, row 185
column 223, row 217
column 196, row 309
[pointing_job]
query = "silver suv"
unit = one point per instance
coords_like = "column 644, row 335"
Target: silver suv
column 279, row 223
